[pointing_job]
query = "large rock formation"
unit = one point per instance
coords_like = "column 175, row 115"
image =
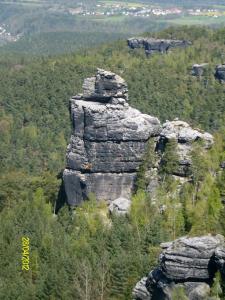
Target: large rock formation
column 189, row 263
column 152, row 45
column 108, row 140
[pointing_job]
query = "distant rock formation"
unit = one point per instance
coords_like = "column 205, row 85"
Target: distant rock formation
column 152, row 45
column 220, row 73
column 109, row 140
column 190, row 263
column 198, row 70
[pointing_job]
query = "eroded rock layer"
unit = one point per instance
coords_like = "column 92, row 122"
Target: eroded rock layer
column 190, row 263
column 108, row 140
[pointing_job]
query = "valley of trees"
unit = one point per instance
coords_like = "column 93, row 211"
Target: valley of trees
column 87, row 254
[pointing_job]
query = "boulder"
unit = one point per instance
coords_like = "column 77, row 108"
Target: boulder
column 184, row 133
column 104, row 86
column 199, row 69
column 120, row 206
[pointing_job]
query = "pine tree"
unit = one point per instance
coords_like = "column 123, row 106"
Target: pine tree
column 169, row 162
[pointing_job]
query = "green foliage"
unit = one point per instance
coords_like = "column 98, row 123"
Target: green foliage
column 149, row 161
column 101, row 257
column 179, row 293
column 169, row 163
column 216, row 290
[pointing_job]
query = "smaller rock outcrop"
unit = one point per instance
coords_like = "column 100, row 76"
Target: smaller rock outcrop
column 120, row 206
column 185, row 136
column 104, row 87
column 190, row 263
column 152, row 45
column 220, row 73
column 198, row 70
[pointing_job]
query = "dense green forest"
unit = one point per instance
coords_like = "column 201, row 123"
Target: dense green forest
column 54, row 43
column 87, row 254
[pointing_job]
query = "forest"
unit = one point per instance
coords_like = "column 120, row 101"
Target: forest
column 87, row 254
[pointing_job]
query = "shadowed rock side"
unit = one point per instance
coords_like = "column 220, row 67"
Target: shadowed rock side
column 108, row 140
column 220, row 73
column 189, row 263
column 152, row 45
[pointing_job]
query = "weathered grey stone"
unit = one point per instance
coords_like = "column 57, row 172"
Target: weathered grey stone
column 103, row 86
column 152, row 45
column 120, row 206
column 182, row 132
column 185, row 136
column 197, row 290
column 140, row 291
column 199, row 69
column 105, row 186
column 220, row 73
column 108, row 141
column 189, row 263
column 190, row 258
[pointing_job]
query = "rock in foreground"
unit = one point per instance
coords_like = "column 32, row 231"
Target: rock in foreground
column 189, row 263
column 110, row 138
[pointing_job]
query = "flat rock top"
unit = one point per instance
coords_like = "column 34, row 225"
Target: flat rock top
column 202, row 247
column 182, row 131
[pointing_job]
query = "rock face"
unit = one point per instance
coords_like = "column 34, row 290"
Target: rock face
column 120, row 206
column 187, row 262
column 108, row 140
column 220, row 73
column 152, row 45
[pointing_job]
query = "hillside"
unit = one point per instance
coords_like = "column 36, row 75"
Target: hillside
column 35, row 130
